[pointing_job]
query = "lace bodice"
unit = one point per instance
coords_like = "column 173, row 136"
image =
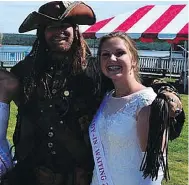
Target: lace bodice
column 117, row 127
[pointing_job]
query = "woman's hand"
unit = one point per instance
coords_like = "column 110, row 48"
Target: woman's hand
column 175, row 105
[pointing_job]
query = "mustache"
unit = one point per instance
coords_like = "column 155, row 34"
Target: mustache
column 58, row 37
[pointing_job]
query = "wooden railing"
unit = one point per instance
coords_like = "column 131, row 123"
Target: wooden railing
column 9, row 59
column 162, row 65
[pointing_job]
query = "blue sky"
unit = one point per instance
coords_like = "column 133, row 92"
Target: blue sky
column 12, row 13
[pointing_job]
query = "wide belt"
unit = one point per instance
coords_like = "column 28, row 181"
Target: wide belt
column 45, row 176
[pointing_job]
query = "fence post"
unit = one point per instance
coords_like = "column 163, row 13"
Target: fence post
column 1, row 64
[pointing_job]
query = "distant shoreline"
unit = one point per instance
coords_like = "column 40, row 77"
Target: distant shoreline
column 152, row 53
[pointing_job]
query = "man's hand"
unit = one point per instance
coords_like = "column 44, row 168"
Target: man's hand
column 175, row 105
column 9, row 86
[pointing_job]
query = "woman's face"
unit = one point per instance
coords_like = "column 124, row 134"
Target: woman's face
column 115, row 59
column 59, row 38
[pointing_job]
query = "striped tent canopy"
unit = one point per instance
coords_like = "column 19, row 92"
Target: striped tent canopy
column 147, row 24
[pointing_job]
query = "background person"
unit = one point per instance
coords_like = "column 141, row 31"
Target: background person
column 8, row 89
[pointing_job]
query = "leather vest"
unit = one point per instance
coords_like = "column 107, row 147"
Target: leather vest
column 52, row 127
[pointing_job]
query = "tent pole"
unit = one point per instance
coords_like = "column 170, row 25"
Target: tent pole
column 170, row 66
column 1, row 49
column 94, row 47
column 185, row 66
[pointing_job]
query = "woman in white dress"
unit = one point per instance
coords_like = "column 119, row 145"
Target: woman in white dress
column 8, row 87
column 120, row 129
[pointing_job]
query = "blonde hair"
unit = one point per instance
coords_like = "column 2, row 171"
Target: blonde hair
column 129, row 43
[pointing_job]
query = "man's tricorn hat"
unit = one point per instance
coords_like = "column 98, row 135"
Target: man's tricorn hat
column 56, row 12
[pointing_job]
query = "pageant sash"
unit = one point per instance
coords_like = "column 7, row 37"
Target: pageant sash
column 103, row 175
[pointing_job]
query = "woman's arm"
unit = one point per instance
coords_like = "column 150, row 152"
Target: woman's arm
column 143, row 128
column 164, row 124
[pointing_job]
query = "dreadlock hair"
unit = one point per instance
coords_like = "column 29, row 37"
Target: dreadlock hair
column 77, row 55
column 160, row 125
column 80, row 51
column 39, row 57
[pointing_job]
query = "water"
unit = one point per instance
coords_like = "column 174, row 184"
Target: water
column 15, row 48
column 152, row 53
column 27, row 49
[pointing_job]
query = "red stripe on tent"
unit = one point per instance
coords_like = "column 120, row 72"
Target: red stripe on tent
column 176, row 40
column 146, row 39
column 94, row 28
column 184, row 30
column 164, row 19
column 135, row 17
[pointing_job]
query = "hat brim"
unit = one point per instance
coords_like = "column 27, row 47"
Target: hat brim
column 78, row 13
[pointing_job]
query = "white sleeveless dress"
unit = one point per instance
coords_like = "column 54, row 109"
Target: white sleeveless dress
column 5, row 155
column 118, row 134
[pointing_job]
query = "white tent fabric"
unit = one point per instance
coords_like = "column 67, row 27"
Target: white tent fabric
column 150, row 22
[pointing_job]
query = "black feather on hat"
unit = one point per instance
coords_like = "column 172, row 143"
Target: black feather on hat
column 56, row 12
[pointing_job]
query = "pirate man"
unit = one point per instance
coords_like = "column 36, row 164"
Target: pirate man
column 54, row 99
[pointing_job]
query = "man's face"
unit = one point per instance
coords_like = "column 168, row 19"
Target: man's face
column 59, row 38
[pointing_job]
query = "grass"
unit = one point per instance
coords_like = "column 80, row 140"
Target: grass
column 178, row 153
column 178, row 149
